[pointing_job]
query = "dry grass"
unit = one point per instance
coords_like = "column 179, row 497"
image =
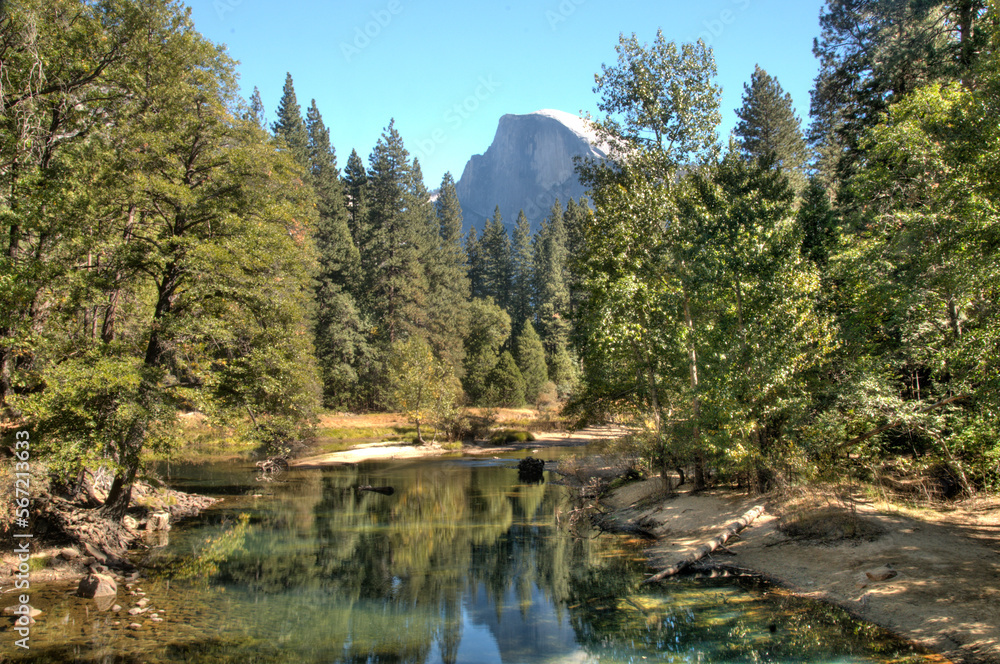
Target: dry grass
column 823, row 514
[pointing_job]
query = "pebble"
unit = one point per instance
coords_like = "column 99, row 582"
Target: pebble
column 116, row 608
column 135, row 610
column 142, row 602
column 135, row 626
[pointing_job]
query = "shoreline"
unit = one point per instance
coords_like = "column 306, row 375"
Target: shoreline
column 944, row 594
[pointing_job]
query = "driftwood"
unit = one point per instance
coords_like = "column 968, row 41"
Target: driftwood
column 711, row 545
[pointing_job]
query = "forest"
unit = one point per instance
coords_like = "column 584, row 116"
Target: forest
column 772, row 307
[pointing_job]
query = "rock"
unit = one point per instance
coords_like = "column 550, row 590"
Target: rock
column 135, row 610
column 158, row 521
column 142, row 602
column 12, row 611
column 130, row 522
column 97, row 585
column 527, row 167
column 69, row 553
column 95, row 553
column 134, row 626
column 156, row 619
column 116, row 608
column 883, row 573
column 530, row 469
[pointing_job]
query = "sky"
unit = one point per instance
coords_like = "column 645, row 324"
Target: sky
column 446, row 71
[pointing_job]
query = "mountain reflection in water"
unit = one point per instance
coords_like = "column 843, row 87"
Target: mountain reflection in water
column 460, row 564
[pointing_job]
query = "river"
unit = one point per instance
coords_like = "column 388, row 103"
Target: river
column 462, row 563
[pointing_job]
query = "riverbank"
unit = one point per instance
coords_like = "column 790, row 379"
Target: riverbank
column 391, row 450
column 944, row 565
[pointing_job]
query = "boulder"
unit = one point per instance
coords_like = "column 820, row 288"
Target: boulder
column 69, row 553
column 97, row 585
column 530, row 469
column 158, row 521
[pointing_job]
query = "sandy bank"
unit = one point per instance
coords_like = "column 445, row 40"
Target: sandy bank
column 384, row 451
column 945, row 596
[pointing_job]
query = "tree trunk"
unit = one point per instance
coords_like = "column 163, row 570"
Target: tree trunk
column 710, row 546
column 699, row 458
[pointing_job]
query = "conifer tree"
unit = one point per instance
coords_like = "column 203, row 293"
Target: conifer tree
column 768, row 124
column 575, row 220
column 523, row 273
column 497, row 263
column 393, row 278
column 290, row 127
column 448, row 279
column 356, row 189
column 474, row 261
column 550, row 281
column 341, row 343
column 818, row 222
column 530, row 356
column 256, row 109
column 506, row 384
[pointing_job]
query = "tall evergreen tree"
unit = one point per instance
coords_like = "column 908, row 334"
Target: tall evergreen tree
column 768, row 124
column 393, row 278
column 290, row 127
column 530, row 357
column 523, row 282
column 550, row 281
column 356, row 189
column 474, row 261
column 256, row 109
column 341, row 344
column 497, row 263
column 818, row 222
column 448, row 279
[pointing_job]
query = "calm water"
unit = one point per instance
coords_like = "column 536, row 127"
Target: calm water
column 460, row 564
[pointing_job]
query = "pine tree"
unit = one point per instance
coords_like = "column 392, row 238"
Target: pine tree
column 768, row 124
column 497, row 263
column 340, row 340
column 523, row 273
column 575, row 219
column 506, row 384
column 550, row 281
column 474, row 261
column 818, row 222
column 290, row 127
column 393, row 278
column 356, row 185
column 256, row 109
column 530, row 356
column 448, row 279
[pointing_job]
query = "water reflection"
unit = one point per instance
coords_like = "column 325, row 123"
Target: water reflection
column 460, row 564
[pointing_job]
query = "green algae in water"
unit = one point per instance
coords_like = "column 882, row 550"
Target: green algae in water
column 461, row 564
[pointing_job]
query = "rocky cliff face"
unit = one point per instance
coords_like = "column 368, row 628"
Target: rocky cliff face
column 528, row 166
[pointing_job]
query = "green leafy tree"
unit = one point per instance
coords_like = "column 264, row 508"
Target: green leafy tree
column 206, row 250
column 421, row 386
column 489, row 330
column 768, row 125
column 818, row 222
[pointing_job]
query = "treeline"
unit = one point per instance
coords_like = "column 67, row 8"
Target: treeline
column 163, row 252
column 788, row 305
column 405, row 300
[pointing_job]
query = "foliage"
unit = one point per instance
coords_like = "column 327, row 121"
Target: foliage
column 530, row 356
column 505, row 385
column 420, row 386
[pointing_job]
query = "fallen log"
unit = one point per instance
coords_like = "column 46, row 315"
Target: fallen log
column 710, row 546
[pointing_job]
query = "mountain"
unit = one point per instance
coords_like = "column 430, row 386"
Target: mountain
column 528, row 166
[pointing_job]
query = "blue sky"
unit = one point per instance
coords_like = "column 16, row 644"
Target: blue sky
column 447, row 70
